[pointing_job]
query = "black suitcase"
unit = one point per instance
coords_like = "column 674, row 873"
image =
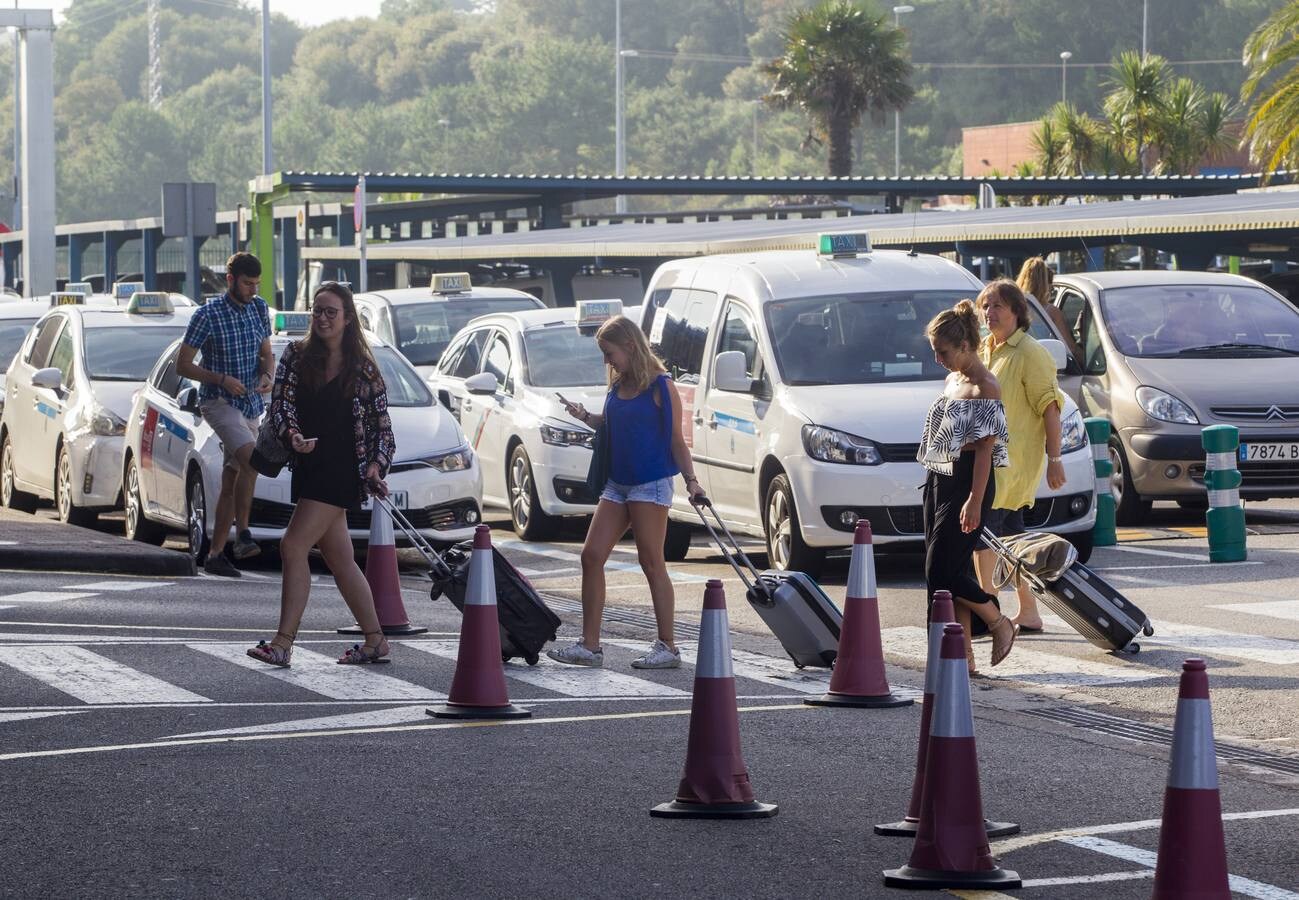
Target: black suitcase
column 803, row 618
column 1090, row 604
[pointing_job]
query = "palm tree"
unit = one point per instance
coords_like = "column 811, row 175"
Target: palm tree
column 1190, row 128
column 1047, row 147
column 1078, row 135
column 1272, row 129
column 1137, row 98
column 842, row 60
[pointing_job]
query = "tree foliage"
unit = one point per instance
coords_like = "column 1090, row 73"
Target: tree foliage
column 1272, row 90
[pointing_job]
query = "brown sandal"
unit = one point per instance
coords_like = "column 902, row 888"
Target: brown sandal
column 273, row 654
column 1001, row 650
column 363, row 655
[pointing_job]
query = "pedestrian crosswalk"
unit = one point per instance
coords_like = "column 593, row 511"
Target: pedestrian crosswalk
column 91, row 677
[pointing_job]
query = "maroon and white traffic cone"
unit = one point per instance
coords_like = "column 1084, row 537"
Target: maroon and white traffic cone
column 383, row 578
column 478, row 687
column 858, row 678
column 1192, row 861
column 716, row 782
column 951, row 848
column 941, row 612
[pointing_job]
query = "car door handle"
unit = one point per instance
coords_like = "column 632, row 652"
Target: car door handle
column 712, row 421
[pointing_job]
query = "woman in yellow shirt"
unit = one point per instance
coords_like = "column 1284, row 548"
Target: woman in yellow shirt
column 1032, row 399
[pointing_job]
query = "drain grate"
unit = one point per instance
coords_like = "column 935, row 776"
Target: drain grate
column 626, row 617
column 1158, row 734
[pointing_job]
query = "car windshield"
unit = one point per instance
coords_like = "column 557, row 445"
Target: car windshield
column 1203, row 320
column 12, row 332
column 861, row 338
column 560, row 356
column 403, row 383
column 126, row 353
column 425, row 329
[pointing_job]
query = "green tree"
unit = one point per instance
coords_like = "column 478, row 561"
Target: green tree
column 1136, row 100
column 1272, row 90
column 116, row 172
column 842, row 60
column 1191, row 127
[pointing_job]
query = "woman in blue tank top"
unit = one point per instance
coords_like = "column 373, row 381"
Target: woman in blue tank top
column 646, row 450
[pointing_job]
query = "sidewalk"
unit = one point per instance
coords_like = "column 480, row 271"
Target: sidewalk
column 28, row 542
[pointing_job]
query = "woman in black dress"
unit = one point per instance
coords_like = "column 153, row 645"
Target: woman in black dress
column 329, row 404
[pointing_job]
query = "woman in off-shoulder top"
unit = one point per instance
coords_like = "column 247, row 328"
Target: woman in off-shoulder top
column 964, row 438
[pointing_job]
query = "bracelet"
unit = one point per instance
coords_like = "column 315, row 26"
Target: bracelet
column 690, row 478
column 1055, row 459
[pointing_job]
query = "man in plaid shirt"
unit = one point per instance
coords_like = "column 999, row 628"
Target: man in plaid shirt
column 233, row 332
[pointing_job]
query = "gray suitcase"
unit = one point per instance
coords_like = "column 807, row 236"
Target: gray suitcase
column 793, row 606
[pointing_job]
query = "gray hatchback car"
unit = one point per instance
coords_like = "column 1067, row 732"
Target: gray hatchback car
column 1165, row 354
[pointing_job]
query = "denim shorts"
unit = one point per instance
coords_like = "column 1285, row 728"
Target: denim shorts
column 659, row 492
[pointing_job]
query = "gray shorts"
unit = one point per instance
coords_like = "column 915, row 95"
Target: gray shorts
column 232, row 427
column 1004, row 522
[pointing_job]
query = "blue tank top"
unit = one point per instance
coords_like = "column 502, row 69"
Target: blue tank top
column 640, row 435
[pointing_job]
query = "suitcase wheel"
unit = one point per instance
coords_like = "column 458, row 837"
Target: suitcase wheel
column 531, row 658
column 1147, row 629
column 1133, row 647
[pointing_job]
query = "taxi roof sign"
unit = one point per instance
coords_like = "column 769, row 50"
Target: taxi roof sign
column 150, row 303
column 67, row 298
column 292, row 322
column 843, row 244
column 79, row 287
column 451, row 282
column 122, row 290
column 591, row 314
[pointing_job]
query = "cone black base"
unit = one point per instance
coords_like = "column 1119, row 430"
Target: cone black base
column 389, row 630
column 456, row 711
column 930, row 879
column 678, row 809
column 879, row 701
column 908, row 828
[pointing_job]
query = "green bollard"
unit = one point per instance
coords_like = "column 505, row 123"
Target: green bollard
column 1226, row 516
column 1098, row 435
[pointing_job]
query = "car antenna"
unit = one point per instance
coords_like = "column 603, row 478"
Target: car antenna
column 915, row 213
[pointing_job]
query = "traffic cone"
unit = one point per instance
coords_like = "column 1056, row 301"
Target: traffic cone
column 951, row 849
column 858, row 678
column 478, row 688
column 1192, row 861
column 385, row 583
column 716, row 781
column 941, row 612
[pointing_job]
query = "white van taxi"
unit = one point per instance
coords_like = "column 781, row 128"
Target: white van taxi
column 69, row 395
column 502, row 377
column 172, row 466
column 420, row 322
column 804, row 378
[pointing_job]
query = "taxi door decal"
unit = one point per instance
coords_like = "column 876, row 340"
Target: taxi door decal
column 478, row 432
column 146, row 438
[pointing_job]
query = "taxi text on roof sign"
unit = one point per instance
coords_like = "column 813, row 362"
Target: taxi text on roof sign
column 79, row 287
column 67, row 298
column 591, row 314
column 150, row 303
column 293, row 322
column 122, row 290
column 849, row 244
column 451, row 282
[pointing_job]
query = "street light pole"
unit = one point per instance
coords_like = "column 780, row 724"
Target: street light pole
column 267, row 159
column 1065, row 56
column 754, row 167
column 619, row 125
column 1145, row 20
column 897, row 113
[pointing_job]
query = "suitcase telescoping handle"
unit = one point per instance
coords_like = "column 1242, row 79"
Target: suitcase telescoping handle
column 748, row 572
column 417, row 540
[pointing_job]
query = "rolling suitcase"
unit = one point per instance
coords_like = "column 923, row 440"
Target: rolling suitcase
column 793, row 606
column 1091, row 605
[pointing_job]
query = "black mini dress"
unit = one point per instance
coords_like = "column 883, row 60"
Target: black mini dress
column 328, row 474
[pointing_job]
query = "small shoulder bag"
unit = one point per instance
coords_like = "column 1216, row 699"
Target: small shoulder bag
column 597, row 476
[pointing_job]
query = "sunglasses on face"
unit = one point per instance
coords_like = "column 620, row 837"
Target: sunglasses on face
column 329, row 312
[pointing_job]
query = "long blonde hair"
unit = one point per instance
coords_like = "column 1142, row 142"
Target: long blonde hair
column 643, row 366
column 1035, row 278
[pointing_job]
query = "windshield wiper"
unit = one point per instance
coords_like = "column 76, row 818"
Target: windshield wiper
column 1209, row 348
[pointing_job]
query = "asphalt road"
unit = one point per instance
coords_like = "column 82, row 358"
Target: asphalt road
column 141, row 754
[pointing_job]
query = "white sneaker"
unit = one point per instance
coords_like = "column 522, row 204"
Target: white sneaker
column 660, row 656
column 578, row 655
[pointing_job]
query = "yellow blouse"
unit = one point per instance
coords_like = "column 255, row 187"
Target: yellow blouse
column 1026, row 372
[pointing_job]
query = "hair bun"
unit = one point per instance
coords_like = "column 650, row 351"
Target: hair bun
column 964, row 308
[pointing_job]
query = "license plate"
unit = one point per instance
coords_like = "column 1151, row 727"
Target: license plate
column 398, row 499
column 1265, row 452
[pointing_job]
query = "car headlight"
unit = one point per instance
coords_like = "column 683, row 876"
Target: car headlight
column 1165, row 407
column 1073, row 434
column 829, row 445
column 457, row 460
column 566, row 437
column 105, row 422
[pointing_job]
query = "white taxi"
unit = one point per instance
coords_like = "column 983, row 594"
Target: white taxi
column 172, row 466
column 68, row 393
column 420, row 322
column 501, row 377
column 16, row 319
column 804, row 379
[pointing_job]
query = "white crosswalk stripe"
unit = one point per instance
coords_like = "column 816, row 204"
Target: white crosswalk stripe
column 374, row 718
column 768, row 670
column 118, row 585
column 45, row 596
column 92, row 678
column 322, row 675
column 1276, row 609
column 1211, row 642
column 551, row 552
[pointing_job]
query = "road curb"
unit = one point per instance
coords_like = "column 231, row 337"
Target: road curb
column 169, row 563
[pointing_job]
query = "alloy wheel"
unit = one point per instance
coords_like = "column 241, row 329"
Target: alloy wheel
column 1116, row 478
column 134, row 512
column 778, row 526
column 7, row 475
column 197, row 520
column 64, row 486
column 520, row 492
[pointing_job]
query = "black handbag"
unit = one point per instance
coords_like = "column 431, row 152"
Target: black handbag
column 598, row 475
column 269, row 453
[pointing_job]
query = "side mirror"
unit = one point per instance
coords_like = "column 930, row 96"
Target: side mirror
column 729, row 373
column 1057, row 351
column 444, row 397
column 51, row 379
column 188, row 400
column 482, row 383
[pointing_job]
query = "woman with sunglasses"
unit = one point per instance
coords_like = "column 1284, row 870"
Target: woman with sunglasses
column 329, row 404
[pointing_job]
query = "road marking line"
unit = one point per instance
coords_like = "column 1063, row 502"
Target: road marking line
column 391, row 729
column 1031, row 666
column 1250, row 562
column 322, row 675
column 571, row 681
column 90, row 677
column 392, row 716
column 1198, row 557
column 1276, row 609
column 45, row 596
column 1239, row 885
column 146, row 640
column 1213, row 642
column 42, row 714
column 1032, row 840
column 176, row 628
column 117, row 585
column 1089, row 879
column 568, row 556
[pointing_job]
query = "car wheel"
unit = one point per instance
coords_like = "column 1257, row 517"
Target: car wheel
column 196, row 520
column 676, row 543
column 138, row 528
column 1129, row 508
column 530, row 521
column 69, row 512
column 1083, row 543
column 10, row 496
column 786, row 550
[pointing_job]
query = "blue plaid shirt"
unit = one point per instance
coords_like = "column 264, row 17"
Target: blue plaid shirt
column 229, row 337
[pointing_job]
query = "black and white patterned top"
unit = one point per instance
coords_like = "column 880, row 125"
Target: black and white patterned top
column 954, row 422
